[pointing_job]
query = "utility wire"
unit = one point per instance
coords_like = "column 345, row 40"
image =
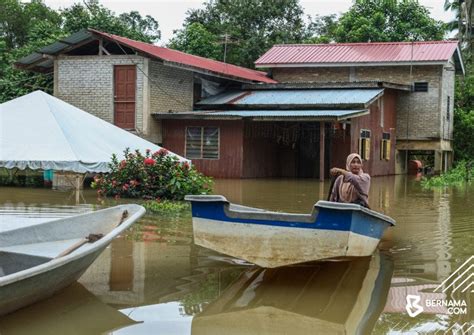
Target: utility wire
column 136, row 64
column 151, row 79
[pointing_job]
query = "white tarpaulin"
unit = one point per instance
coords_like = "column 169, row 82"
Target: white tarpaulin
column 39, row 131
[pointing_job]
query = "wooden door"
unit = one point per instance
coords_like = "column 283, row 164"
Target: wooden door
column 124, row 96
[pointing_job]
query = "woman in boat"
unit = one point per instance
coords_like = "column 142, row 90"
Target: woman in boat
column 352, row 185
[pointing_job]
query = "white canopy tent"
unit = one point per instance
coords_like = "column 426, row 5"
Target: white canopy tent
column 39, row 131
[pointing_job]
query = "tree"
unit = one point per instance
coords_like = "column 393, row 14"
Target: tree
column 26, row 27
column 321, row 29
column 248, row 28
column 93, row 15
column 390, row 20
column 197, row 40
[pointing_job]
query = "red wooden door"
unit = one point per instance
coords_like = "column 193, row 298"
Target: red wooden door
column 124, row 96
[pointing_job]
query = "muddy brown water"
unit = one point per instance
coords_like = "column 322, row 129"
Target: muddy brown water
column 154, row 280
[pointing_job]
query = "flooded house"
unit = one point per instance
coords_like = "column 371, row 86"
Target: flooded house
column 316, row 104
column 424, row 111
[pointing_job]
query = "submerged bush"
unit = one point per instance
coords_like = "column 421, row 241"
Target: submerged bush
column 157, row 175
column 166, row 207
column 461, row 173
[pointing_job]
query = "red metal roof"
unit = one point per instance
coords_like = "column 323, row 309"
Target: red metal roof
column 183, row 58
column 348, row 53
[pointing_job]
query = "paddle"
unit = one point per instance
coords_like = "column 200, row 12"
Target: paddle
column 91, row 238
column 333, row 180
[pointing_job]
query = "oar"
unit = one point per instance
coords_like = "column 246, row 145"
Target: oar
column 91, row 238
column 333, row 180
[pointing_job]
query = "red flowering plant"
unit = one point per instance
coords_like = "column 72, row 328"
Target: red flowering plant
column 157, row 175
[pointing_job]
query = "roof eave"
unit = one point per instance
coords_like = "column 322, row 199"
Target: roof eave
column 293, row 65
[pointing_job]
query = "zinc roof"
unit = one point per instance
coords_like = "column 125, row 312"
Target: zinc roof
column 354, row 53
column 295, row 98
column 38, row 62
column 270, row 115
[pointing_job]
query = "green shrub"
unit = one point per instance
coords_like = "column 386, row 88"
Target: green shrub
column 156, row 176
column 167, row 208
column 461, row 173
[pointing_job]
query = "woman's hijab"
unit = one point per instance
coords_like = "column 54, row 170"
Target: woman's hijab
column 347, row 191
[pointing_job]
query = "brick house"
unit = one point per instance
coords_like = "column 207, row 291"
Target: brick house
column 235, row 122
column 424, row 122
column 124, row 81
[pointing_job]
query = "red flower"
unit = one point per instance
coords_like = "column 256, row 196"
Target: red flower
column 117, row 197
column 123, row 164
column 114, row 183
column 149, row 161
column 186, row 165
column 125, row 187
column 162, row 152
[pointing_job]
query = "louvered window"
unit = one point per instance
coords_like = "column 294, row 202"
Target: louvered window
column 421, row 86
column 385, row 147
column 202, row 142
column 364, row 144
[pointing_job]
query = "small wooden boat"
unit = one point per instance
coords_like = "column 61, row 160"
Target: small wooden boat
column 272, row 239
column 39, row 260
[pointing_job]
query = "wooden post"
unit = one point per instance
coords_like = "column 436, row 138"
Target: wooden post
column 321, row 150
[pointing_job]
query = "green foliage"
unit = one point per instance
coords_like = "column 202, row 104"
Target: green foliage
column 93, row 15
column 156, row 175
column 251, row 26
column 25, row 178
column 383, row 21
column 464, row 116
column 26, row 27
column 197, row 40
column 168, row 208
column 463, row 172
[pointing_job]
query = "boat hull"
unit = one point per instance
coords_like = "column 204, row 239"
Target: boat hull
column 33, row 261
column 272, row 239
column 35, row 288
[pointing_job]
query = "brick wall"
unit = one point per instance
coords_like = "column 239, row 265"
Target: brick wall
column 171, row 89
column 447, row 89
column 421, row 111
column 87, row 83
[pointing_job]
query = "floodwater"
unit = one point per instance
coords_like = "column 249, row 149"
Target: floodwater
column 154, row 280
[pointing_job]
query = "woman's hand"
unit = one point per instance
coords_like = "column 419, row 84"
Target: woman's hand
column 335, row 171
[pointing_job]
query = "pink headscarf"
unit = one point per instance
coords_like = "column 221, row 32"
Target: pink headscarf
column 347, row 191
column 349, row 160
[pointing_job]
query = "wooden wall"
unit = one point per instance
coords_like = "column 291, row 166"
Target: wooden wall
column 230, row 162
column 375, row 166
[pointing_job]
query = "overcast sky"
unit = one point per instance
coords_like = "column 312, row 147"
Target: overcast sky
column 170, row 14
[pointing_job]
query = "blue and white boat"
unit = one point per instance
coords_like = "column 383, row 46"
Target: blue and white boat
column 273, row 239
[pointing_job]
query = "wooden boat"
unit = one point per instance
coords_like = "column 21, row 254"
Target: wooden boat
column 344, row 297
column 39, row 260
column 272, row 239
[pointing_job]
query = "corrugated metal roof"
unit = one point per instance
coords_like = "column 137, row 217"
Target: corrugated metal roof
column 343, row 53
column 179, row 57
column 285, row 115
column 295, row 97
column 174, row 57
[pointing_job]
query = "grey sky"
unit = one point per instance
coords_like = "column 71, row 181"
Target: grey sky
column 170, row 14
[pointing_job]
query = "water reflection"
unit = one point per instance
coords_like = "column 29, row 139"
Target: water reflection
column 155, row 274
column 73, row 311
column 323, row 298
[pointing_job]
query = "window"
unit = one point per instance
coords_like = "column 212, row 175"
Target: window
column 202, row 142
column 385, row 147
column 364, row 144
column 448, row 114
column 421, row 86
